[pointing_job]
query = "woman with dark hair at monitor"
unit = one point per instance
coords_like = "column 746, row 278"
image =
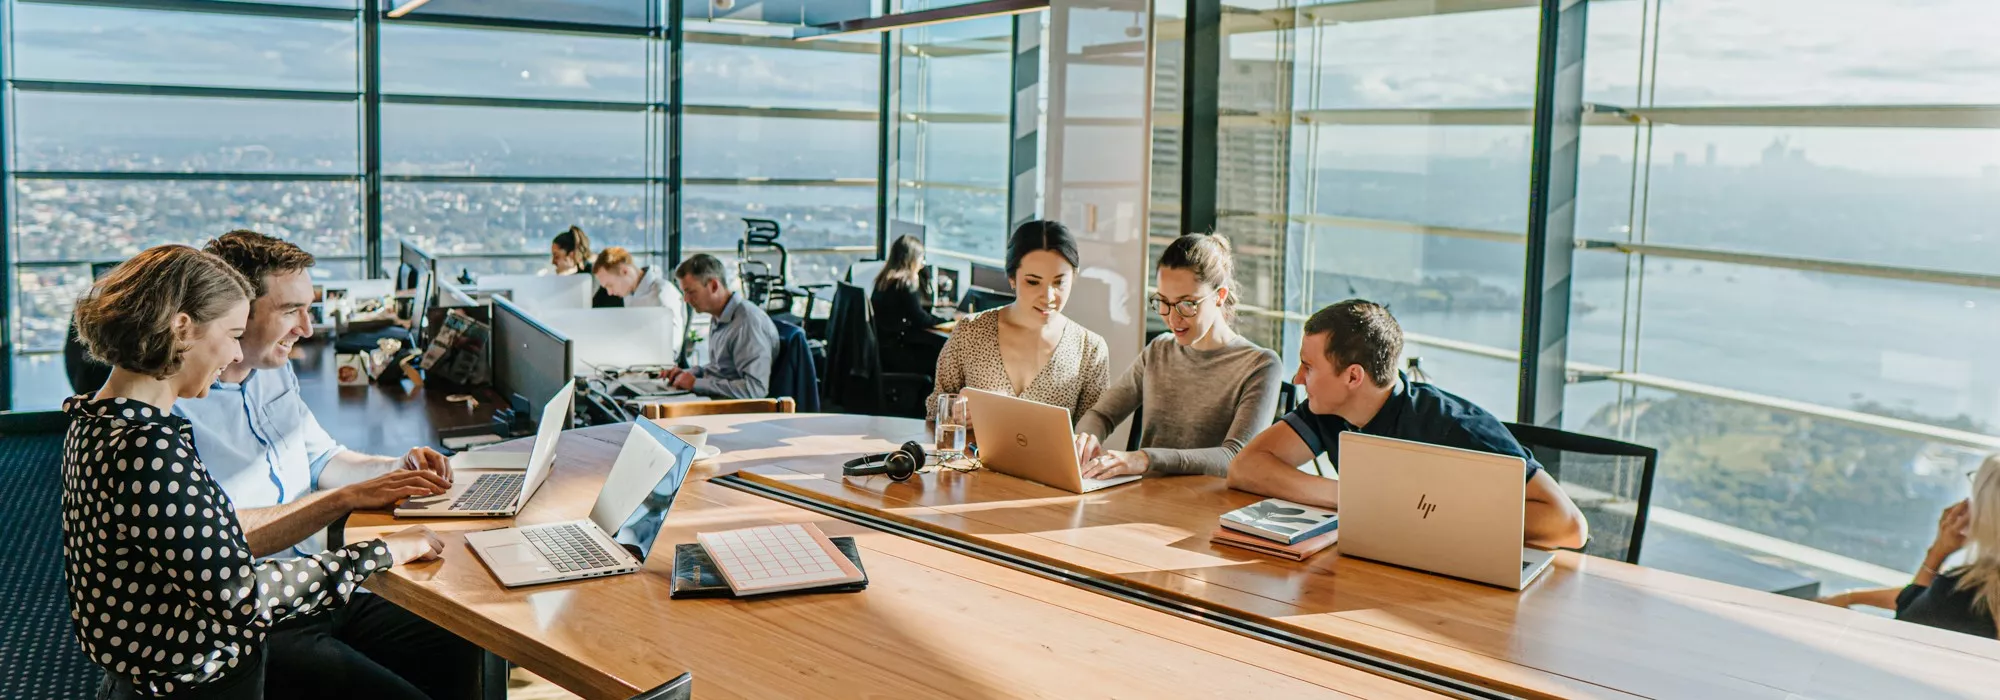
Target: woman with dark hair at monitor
column 898, row 302
column 1042, row 354
column 570, row 254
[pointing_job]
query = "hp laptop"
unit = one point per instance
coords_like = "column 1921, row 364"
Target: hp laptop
column 1447, row 511
column 488, row 484
column 630, row 510
column 1030, row 440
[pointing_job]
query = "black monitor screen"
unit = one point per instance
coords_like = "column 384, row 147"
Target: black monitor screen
column 990, row 278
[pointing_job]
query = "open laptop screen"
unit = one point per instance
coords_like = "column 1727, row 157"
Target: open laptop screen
column 639, row 529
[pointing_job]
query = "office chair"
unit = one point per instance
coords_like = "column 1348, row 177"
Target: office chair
column 680, row 688
column 855, row 379
column 720, row 407
column 86, row 375
column 1610, row 481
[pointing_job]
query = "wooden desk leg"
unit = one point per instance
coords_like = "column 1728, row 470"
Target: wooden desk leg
column 492, row 676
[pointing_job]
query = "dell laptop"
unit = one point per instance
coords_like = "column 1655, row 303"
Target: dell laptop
column 1030, row 440
column 1439, row 509
column 488, row 484
column 621, row 530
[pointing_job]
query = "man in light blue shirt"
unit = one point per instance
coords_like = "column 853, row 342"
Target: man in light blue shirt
column 742, row 339
column 289, row 479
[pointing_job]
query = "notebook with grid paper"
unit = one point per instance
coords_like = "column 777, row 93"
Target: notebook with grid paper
column 777, row 558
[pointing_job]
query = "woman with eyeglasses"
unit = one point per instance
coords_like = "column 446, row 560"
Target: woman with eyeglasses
column 1963, row 598
column 1205, row 389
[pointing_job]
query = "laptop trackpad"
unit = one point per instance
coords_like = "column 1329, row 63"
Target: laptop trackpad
column 489, row 459
column 514, row 554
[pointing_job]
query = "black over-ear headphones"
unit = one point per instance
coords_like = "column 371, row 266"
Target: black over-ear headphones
column 899, row 465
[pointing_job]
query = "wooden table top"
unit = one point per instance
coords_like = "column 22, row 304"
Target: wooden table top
column 1590, row 627
column 932, row 624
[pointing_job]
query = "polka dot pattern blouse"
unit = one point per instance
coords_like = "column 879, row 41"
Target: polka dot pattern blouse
column 161, row 583
column 1073, row 378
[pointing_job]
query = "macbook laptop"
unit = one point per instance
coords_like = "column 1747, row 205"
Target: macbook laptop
column 1030, row 440
column 487, row 484
column 1439, row 509
column 628, row 515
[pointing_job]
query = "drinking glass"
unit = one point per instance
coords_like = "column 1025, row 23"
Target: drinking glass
column 952, row 422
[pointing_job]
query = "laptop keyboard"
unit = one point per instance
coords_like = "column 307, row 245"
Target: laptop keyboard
column 569, row 548
column 491, row 492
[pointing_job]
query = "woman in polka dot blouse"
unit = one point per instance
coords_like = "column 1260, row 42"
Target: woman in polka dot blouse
column 162, row 588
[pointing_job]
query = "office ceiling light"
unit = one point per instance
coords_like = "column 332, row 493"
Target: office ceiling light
column 906, row 20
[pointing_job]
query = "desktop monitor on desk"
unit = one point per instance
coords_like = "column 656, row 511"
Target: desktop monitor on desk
column 640, row 336
column 990, row 278
column 530, row 358
column 416, row 273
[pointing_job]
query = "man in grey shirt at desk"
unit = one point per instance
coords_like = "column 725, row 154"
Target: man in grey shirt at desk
column 742, row 340
column 289, row 480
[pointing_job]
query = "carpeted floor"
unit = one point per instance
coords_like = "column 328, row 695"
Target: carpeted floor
column 38, row 656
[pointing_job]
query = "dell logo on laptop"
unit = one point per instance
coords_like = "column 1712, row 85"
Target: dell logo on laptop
column 1021, row 439
column 1427, row 508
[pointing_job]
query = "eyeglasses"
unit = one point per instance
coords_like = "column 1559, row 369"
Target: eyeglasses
column 1187, row 308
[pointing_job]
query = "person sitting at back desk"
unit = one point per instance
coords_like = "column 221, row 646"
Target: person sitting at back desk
column 1966, row 598
column 570, row 254
column 742, row 339
column 1347, row 363
column 289, row 480
column 898, row 302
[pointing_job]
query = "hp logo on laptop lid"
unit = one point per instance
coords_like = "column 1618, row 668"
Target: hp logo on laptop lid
column 1426, row 507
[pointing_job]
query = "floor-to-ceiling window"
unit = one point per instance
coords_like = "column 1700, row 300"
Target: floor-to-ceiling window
column 784, row 131
column 503, row 126
column 130, row 125
column 1791, row 267
column 1409, row 178
column 1786, row 266
column 956, row 91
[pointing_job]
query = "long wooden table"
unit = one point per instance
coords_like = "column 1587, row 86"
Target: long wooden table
column 933, row 623
column 1590, row 627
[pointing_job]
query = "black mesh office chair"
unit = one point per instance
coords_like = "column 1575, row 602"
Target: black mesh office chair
column 769, row 285
column 680, row 688
column 1611, row 481
column 855, row 380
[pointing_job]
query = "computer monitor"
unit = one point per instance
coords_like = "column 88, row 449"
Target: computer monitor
column 990, row 278
column 417, row 273
column 529, row 357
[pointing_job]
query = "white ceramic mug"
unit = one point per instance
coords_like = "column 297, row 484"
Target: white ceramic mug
column 693, row 434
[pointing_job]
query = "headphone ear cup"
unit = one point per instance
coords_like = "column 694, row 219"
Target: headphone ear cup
column 905, row 461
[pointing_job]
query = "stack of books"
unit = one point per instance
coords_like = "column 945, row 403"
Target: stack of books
column 1279, row 528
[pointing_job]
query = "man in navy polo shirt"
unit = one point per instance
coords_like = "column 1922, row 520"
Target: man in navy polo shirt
column 1347, row 363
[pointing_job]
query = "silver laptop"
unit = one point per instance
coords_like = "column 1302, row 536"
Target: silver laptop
column 621, row 530
column 1440, row 509
column 486, row 484
column 1030, row 440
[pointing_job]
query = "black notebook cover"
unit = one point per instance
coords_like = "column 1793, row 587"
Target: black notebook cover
column 695, row 575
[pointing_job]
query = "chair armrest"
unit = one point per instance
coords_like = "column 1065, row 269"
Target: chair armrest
column 680, row 688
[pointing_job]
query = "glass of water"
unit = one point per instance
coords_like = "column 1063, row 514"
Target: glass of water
column 952, row 423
